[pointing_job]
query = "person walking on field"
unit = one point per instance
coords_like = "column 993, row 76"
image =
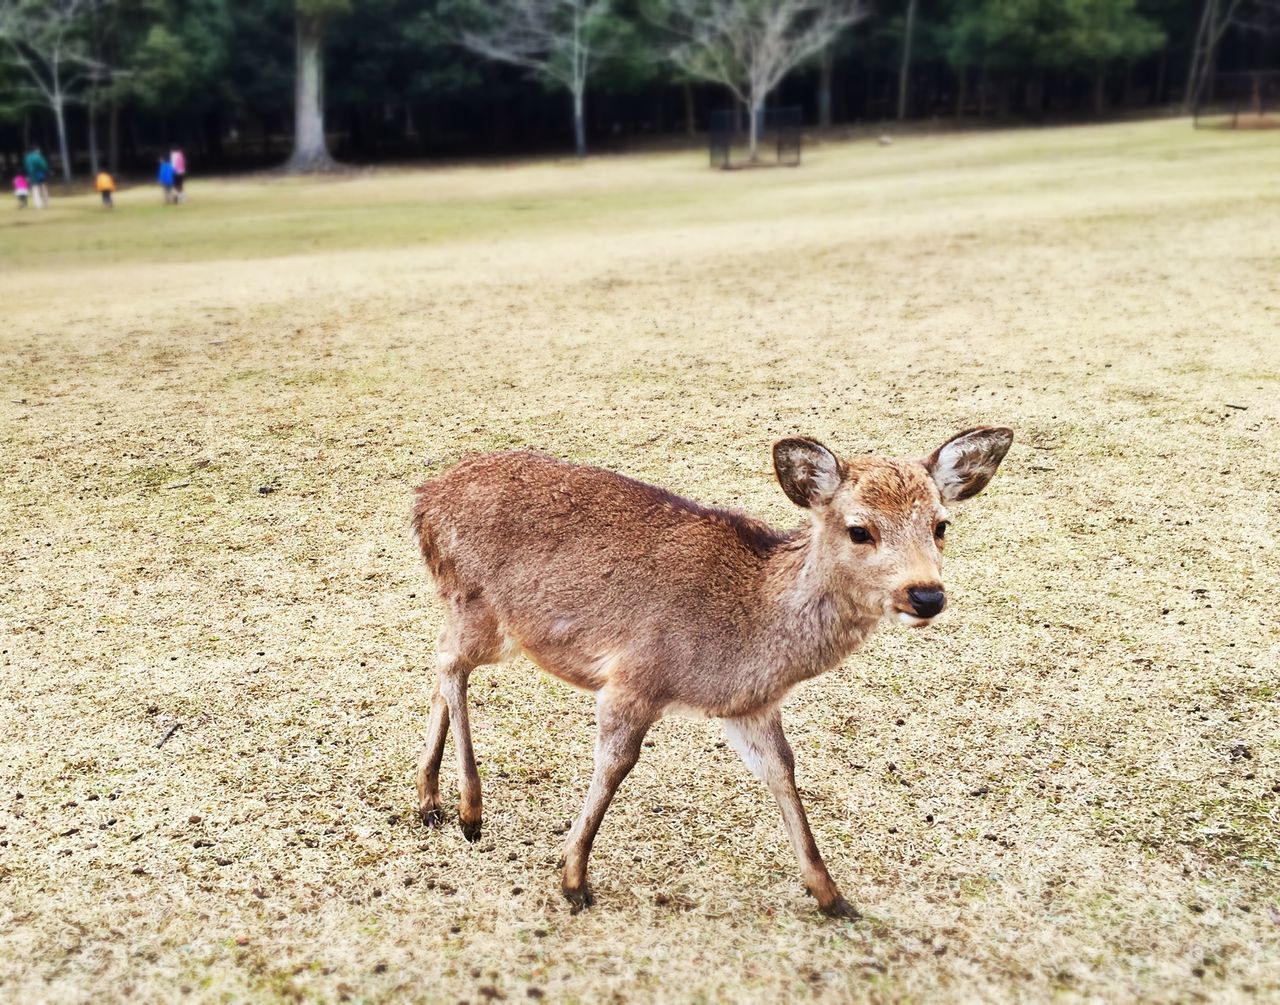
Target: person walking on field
column 37, row 169
column 179, row 161
column 106, row 185
column 20, row 190
column 165, row 178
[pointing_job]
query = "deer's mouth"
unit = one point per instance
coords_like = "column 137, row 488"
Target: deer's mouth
column 911, row 619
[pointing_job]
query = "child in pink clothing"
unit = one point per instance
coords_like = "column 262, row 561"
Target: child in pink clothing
column 21, row 190
column 179, row 161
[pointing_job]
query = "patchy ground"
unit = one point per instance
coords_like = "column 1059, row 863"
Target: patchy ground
column 214, row 414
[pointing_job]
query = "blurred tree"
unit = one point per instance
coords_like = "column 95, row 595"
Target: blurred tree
column 1086, row 36
column 910, row 41
column 13, row 103
column 173, row 52
column 50, row 41
column 1260, row 18
column 750, row 45
column 166, row 58
column 257, row 83
column 1095, row 35
column 904, row 69
column 559, row 40
column 840, row 53
column 393, row 73
column 140, row 74
column 310, row 149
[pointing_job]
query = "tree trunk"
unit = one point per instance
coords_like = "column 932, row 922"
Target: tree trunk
column 499, row 127
column 962, row 91
column 355, row 130
column 92, row 117
column 690, row 111
column 755, row 116
column 310, row 153
column 113, row 137
column 213, row 135
column 1035, row 93
column 135, row 141
column 1099, row 93
column 59, row 114
column 904, row 71
column 1199, row 55
column 433, row 123
column 825, row 74
column 579, row 125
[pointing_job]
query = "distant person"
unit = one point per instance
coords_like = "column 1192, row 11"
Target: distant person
column 179, row 161
column 106, row 186
column 20, row 190
column 166, row 178
column 37, row 169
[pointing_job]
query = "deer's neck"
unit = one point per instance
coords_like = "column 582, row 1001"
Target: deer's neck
column 818, row 617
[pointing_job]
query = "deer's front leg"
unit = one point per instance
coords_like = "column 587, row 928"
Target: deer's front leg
column 620, row 729
column 763, row 747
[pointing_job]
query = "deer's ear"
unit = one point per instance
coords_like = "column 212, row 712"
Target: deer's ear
column 963, row 466
column 808, row 472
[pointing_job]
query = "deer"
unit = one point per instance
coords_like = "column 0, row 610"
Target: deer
column 657, row 604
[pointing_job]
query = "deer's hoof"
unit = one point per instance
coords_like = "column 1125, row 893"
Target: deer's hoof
column 470, row 830
column 431, row 816
column 578, row 897
column 840, row 908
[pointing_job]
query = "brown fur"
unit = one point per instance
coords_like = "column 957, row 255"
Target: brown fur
column 658, row 603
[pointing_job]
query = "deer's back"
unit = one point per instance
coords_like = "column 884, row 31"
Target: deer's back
column 585, row 561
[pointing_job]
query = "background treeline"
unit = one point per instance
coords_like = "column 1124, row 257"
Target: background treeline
column 219, row 77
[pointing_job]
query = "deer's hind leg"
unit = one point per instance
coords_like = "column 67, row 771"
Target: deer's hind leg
column 429, row 809
column 471, row 638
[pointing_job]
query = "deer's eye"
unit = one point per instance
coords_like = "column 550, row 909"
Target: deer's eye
column 940, row 531
column 860, row 535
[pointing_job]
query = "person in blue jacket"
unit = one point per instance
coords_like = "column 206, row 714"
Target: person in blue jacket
column 37, row 177
column 166, row 177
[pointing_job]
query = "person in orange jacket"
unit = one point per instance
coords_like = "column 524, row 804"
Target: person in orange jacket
column 106, row 185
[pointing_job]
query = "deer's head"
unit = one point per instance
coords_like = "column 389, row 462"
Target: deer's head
column 880, row 523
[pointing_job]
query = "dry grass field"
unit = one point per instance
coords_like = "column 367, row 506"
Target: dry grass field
column 1068, row 789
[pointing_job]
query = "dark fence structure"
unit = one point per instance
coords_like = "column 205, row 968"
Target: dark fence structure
column 1244, row 100
column 779, row 138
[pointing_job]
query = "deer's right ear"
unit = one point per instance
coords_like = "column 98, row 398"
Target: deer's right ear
column 808, row 472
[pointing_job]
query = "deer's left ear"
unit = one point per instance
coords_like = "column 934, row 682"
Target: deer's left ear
column 963, row 466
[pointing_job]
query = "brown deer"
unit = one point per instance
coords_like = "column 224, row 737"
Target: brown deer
column 658, row 604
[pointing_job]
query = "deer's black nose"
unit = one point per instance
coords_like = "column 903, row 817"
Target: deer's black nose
column 927, row 601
